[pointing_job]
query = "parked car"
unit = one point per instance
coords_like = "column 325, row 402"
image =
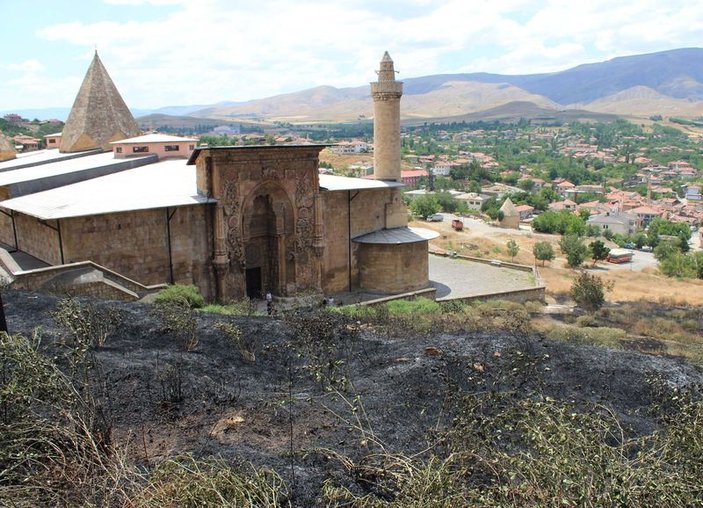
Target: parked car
column 435, row 217
column 629, row 245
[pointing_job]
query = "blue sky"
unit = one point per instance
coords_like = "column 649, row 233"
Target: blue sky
column 178, row 52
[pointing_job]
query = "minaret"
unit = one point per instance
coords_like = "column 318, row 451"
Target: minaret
column 386, row 93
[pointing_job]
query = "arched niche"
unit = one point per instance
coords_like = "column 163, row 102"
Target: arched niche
column 268, row 221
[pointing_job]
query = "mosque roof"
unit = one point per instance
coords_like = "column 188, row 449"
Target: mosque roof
column 59, row 167
column 342, row 183
column 99, row 114
column 39, row 157
column 169, row 183
column 397, row 236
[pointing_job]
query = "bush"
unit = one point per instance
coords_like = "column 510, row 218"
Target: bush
column 178, row 319
column 182, row 292
column 588, row 291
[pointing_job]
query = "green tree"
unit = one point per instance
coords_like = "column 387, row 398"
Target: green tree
column 446, row 202
column 513, row 248
column 543, row 251
column 588, row 291
column 598, row 251
column 424, row 206
column 574, row 249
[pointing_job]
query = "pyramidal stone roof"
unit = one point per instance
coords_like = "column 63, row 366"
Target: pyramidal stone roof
column 7, row 148
column 509, row 209
column 99, row 114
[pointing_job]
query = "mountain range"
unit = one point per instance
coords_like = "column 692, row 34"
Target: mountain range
column 667, row 83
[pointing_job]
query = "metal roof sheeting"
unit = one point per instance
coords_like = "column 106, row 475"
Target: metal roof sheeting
column 160, row 185
column 341, row 183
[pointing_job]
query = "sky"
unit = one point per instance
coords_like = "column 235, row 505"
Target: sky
column 183, row 52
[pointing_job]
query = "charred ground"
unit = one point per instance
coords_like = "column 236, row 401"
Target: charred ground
column 324, row 392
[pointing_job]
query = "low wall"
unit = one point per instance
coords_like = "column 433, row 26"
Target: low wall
column 426, row 293
column 518, row 296
column 114, row 286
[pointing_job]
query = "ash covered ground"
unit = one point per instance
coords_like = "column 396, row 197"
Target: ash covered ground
column 301, row 397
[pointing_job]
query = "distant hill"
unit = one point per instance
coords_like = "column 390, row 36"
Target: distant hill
column 664, row 83
column 674, row 80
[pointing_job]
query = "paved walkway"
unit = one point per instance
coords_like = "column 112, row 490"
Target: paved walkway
column 456, row 278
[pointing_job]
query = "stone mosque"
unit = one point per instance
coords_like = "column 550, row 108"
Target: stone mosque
column 235, row 221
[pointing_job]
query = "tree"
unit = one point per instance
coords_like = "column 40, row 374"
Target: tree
column 513, row 248
column 424, row 206
column 543, row 251
column 588, row 291
column 599, row 251
column 574, row 249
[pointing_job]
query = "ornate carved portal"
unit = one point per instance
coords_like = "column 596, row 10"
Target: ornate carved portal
column 267, row 223
column 267, row 231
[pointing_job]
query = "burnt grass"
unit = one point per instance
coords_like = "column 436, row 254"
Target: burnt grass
column 302, row 396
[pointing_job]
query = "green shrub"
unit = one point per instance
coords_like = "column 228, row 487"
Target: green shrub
column 244, row 307
column 182, row 292
column 416, row 306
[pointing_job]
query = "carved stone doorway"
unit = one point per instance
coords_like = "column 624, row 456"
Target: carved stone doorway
column 268, row 221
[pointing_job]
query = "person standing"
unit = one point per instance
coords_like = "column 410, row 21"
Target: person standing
column 269, row 303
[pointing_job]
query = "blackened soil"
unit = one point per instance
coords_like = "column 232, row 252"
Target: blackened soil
column 275, row 410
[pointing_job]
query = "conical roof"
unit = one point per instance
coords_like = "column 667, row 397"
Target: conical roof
column 99, row 114
column 7, row 148
column 509, row 209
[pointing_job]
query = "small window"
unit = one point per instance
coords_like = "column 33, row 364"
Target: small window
column 140, row 149
column 52, row 141
column 191, row 147
column 118, row 149
column 171, row 148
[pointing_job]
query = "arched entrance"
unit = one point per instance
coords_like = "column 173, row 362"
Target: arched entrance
column 267, row 223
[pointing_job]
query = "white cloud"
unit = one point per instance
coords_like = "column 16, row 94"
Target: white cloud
column 212, row 50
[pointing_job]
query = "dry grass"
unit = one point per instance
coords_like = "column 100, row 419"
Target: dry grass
column 628, row 286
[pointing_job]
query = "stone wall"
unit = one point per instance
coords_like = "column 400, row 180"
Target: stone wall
column 371, row 210
column 38, row 238
column 6, row 235
column 393, row 268
column 133, row 244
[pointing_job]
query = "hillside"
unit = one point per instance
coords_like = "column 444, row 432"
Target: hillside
column 675, row 78
column 383, row 409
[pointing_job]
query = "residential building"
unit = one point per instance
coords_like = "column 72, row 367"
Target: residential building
column 617, row 223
